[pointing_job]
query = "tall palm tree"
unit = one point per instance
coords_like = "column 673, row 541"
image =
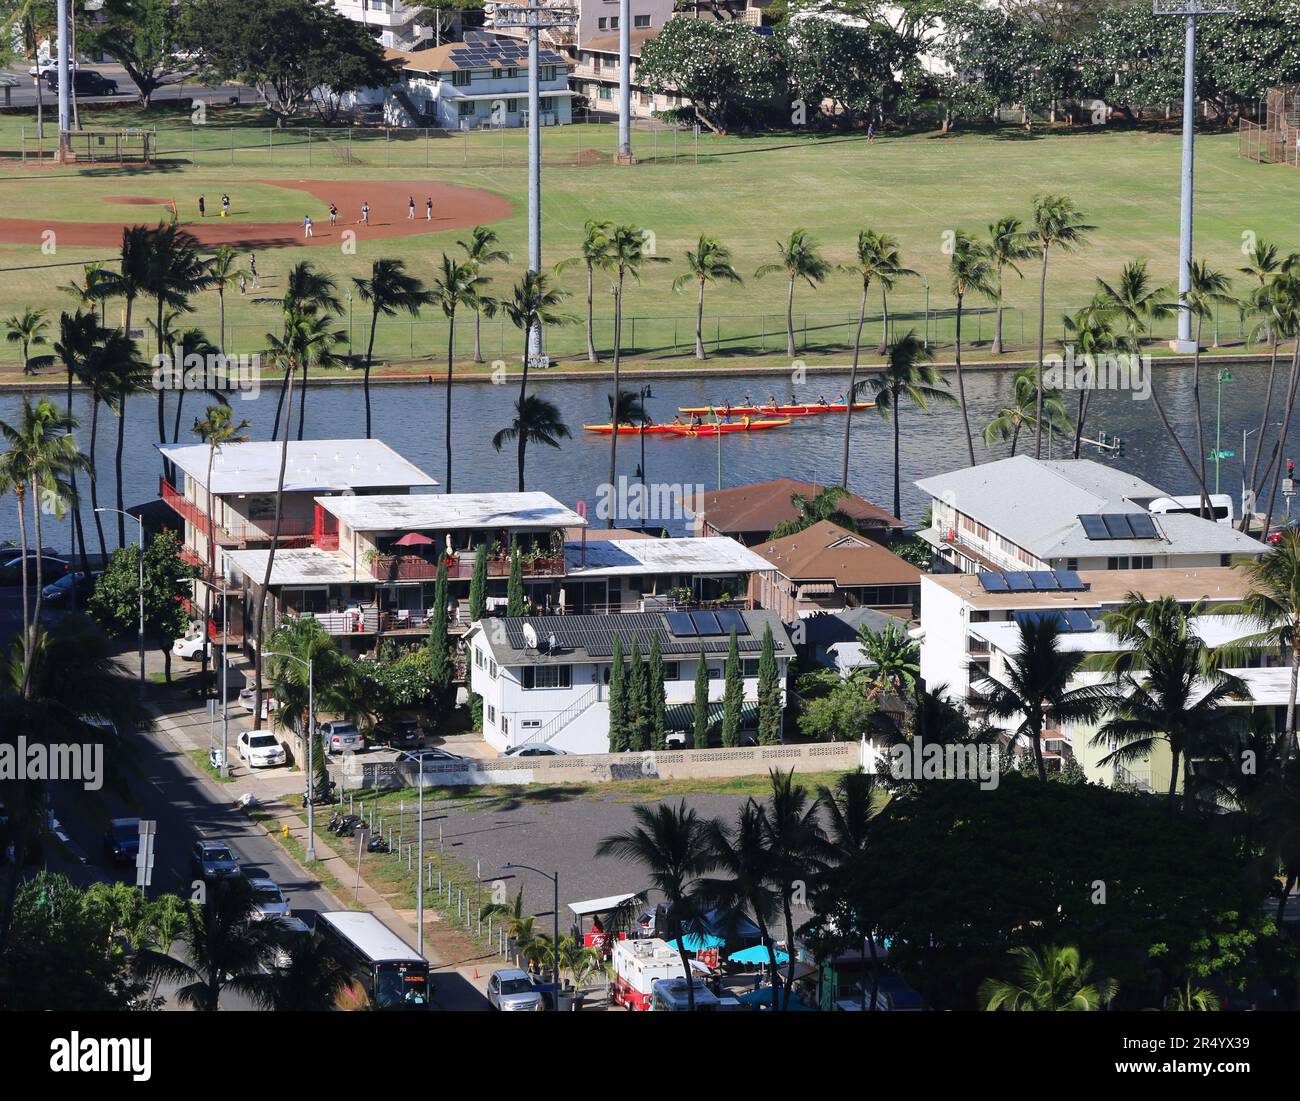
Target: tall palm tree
column 189, row 342
column 909, row 375
column 95, row 285
column 536, row 420
column 132, row 279
column 112, row 371
column 389, row 289
column 629, row 252
column 1008, row 242
column 1037, row 687
column 307, row 291
column 307, row 977
column 672, row 845
column 594, row 255
column 1011, row 419
column 1287, row 320
column 1057, row 223
column 813, row 508
column 79, row 334
column 799, row 851
column 26, row 329
column 1169, row 686
column 223, row 272
column 851, row 809
column 1267, row 303
column 709, row 263
column 799, row 259
column 1209, row 288
column 877, row 259
column 227, row 948
column 631, row 409
column 1091, row 334
column 1054, row 980
column 970, row 271
column 456, row 284
column 482, row 248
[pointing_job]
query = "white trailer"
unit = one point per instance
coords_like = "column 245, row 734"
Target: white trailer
column 638, row 964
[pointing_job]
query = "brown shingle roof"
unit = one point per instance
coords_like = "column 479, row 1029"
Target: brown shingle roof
column 763, row 505
column 827, row 552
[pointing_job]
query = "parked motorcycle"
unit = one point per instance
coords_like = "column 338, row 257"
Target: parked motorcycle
column 377, row 845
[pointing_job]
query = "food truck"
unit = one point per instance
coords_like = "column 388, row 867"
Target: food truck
column 638, row 965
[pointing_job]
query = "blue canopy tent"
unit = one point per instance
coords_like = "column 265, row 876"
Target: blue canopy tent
column 697, row 942
column 763, row 997
column 757, row 954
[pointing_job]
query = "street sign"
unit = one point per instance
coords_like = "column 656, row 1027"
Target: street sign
column 1215, row 456
column 1288, row 487
column 144, row 855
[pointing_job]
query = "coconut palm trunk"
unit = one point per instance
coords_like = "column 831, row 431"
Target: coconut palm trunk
column 618, row 349
column 478, row 336
column 94, row 478
column 997, row 320
column 699, row 323
column 1286, row 425
column 592, row 357
column 1080, row 416
column 451, row 351
column 40, row 586
column 853, row 382
column 961, row 390
column 20, row 494
column 898, row 508
column 302, row 402
column 1289, row 747
column 522, row 443
column 370, row 361
column 1200, row 428
column 1263, row 427
column 789, row 320
column 117, row 465
column 883, row 347
column 1038, row 377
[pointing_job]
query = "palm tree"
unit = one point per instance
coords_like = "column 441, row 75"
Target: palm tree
column 482, row 248
column 799, row 259
column 631, row 409
column 132, row 278
column 1269, row 303
column 629, row 251
column 851, row 810
column 120, row 367
column 388, row 290
column 28, row 329
column 1169, row 686
column 190, row 342
column 672, row 845
column 95, row 286
column 1209, row 288
column 892, row 660
column 877, row 259
column 537, row 421
column 1091, row 334
column 455, row 285
column 1037, row 687
column 798, row 849
column 1192, row 999
column 813, row 509
column 79, row 334
column 1287, row 320
column 1057, row 222
column 308, row 291
column 227, row 948
column 1054, row 980
column 1008, row 242
column 223, row 272
column 709, row 263
column 907, row 374
column 595, row 254
column 112, row 362
column 1010, row 420
column 971, row 272
column 307, row 978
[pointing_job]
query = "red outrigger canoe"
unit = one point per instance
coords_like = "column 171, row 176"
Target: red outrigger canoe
column 627, row 429
column 768, row 410
column 726, row 426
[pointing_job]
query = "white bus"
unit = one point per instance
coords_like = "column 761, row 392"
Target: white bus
column 391, row 972
column 670, row 995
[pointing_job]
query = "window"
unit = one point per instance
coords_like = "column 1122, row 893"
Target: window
column 466, row 107
column 505, row 725
column 512, row 73
column 512, row 106
column 606, row 92
column 461, row 78
column 715, row 672
column 613, row 22
column 749, row 667
column 1125, row 562
column 547, row 676
column 672, row 670
column 1071, row 563
column 478, row 658
column 491, row 715
column 602, row 24
column 547, row 72
column 531, row 724
column 492, row 668
column 640, row 21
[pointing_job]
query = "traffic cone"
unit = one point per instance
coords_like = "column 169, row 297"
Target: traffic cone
column 476, row 972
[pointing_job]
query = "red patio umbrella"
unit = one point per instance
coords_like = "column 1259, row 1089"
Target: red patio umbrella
column 413, row 539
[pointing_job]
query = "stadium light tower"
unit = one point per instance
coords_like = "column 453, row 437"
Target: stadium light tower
column 534, row 17
column 65, row 81
column 1190, row 10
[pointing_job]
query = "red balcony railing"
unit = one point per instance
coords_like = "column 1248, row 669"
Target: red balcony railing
column 240, row 532
column 391, row 567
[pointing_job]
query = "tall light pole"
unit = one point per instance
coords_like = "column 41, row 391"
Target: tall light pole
column 555, row 915
column 311, row 745
column 419, row 865
column 534, row 18
column 65, row 81
column 140, row 584
column 625, row 82
column 1189, row 10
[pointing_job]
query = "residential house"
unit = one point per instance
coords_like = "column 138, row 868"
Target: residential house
column 545, row 680
column 828, row 568
column 829, row 640
column 751, row 512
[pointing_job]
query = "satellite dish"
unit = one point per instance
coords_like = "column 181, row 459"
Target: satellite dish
column 530, row 636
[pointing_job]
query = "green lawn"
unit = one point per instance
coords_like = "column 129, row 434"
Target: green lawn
column 746, row 191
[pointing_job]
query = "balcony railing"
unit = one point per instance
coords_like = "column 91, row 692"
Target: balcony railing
column 392, row 567
column 650, row 604
column 358, row 621
column 238, row 532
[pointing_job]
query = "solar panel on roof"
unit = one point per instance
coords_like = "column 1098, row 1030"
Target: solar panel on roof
column 681, row 624
column 1070, row 582
column 706, row 623
column 1143, row 526
column 1044, row 581
column 1018, row 582
column 733, row 621
column 1117, row 525
column 993, row 582
column 1078, row 620
column 1093, row 528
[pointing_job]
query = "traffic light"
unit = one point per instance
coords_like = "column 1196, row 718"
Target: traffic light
column 1290, row 468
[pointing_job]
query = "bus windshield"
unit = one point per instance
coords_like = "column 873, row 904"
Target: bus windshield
column 401, row 986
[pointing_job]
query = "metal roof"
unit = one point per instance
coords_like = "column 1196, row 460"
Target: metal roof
column 617, row 557
column 295, row 566
column 312, row 465
column 450, row 511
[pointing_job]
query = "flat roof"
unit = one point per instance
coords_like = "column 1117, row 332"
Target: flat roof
column 617, row 557
column 450, row 511
column 1213, row 630
column 321, row 466
column 1105, row 587
column 295, row 566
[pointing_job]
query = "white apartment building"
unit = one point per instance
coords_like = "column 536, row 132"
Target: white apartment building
column 545, row 680
column 395, row 24
column 1074, row 514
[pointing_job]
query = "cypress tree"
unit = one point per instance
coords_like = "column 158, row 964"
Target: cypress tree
column 617, row 701
column 638, row 714
column 733, row 695
column 658, row 697
column 700, row 735
column 515, row 602
column 478, row 584
column 769, row 692
column 440, row 671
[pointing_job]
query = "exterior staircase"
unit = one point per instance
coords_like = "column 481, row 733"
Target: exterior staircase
column 565, row 718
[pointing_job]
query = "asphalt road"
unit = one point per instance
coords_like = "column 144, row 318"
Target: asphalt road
column 24, row 94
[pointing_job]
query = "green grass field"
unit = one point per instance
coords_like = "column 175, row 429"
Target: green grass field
column 748, row 191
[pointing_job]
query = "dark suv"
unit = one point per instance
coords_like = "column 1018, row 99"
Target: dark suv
column 400, row 732
column 85, row 82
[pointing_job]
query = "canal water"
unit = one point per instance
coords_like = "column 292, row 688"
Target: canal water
column 409, row 417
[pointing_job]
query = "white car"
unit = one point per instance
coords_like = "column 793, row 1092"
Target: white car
column 190, row 648
column 261, row 749
column 512, row 991
column 541, row 750
column 268, row 900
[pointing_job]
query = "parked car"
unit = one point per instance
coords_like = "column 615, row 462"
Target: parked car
column 190, row 648
column 1274, row 536
column 260, row 749
column 422, row 758
column 399, row 731
column 213, row 860
column 268, row 900
column 78, row 583
column 11, row 570
column 269, row 704
column 338, row 737
column 526, row 750
column 85, row 82
column 122, row 841
column 512, row 991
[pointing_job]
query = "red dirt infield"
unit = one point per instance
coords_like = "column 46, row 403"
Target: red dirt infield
column 453, row 208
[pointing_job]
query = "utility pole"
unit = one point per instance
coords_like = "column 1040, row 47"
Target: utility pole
column 65, row 82
column 1189, row 10
column 625, row 83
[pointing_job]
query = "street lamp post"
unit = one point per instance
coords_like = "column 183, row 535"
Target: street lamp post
column 140, row 523
column 1221, row 376
column 311, row 745
column 1189, row 10
column 555, row 916
column 65, row 80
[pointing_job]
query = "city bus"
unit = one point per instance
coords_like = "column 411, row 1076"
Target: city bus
column 670, row 996
column 390, row 972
